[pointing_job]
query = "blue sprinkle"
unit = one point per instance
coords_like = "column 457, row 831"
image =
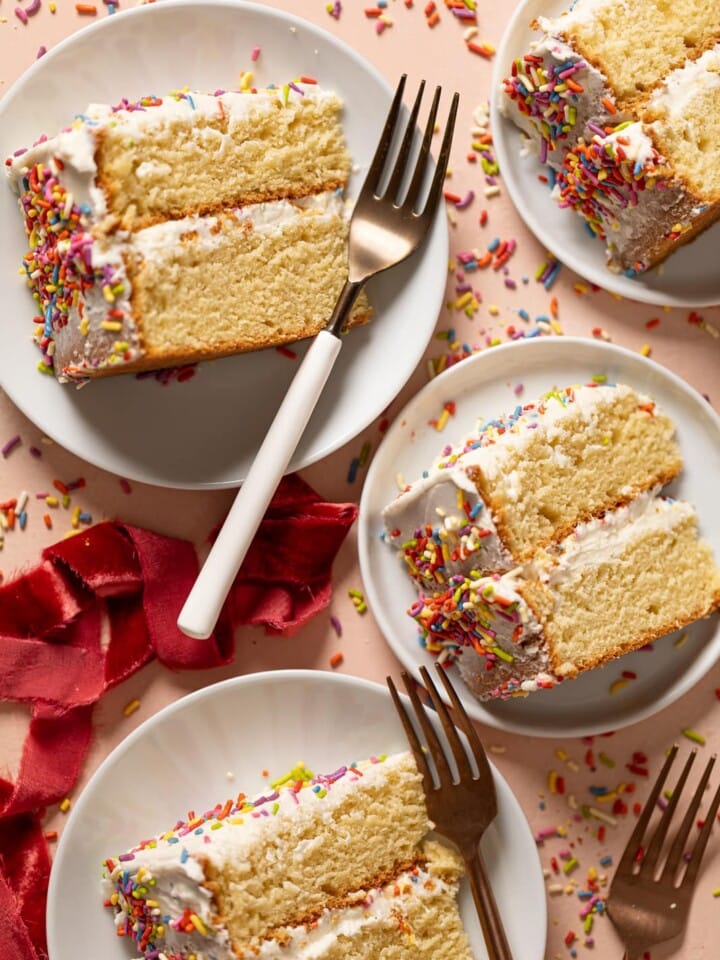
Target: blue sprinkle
column 184, row 855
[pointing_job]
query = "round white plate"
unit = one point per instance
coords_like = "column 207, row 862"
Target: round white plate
column 204, row 432
column 178, row 760
column 689, row 277
column 483, row 386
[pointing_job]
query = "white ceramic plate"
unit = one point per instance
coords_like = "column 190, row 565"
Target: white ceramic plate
column 689, row 277
column 482, row 386
column 204, row 432
column 178, row 761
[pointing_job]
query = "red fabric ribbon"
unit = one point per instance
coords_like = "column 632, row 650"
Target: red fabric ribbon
column 97, row 608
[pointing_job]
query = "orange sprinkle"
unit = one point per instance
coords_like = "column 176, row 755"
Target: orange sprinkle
column 86, row 9
column 336, row 659
column 609, row 105
column 433, row 19
column 48, row 521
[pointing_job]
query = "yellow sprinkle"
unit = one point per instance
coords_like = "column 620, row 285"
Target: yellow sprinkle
column 493, row 310
column 114, row 325
column 599, row 378
column 570, row 865
column 65, row 805
column 131, row 707
column 463, row 300
column 645, row 350
column 618, row 685
column 442, row 420
column 681, row 640
column 716, row 892
column 552, row 781
column 52, row 501
column 560, row 754
column 694, row 736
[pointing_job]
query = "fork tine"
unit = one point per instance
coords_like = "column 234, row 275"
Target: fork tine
column 402, row 157
column 678, row 847
column 378, row 162
column 461, row 758
column 415, row 745
column 442, row 163
column 463, row 721
column 698, row 850
column 421, row 162
column 628, row 857
column 433, row 742
column 652, row 854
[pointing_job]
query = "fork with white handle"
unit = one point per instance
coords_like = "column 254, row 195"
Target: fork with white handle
column 385, row 228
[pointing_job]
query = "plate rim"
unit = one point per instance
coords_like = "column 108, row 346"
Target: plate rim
column 366, row 537
column 612, row 283
column 507, row 796
column 136, row 468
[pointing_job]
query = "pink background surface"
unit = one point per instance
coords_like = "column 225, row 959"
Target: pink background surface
column 688, row 345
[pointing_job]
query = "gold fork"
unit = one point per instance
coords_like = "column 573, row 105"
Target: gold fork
column 461, row 808
column 646, row 907
column 389, row 222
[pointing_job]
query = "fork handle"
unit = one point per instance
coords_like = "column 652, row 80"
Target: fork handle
column 199, row 614
column 490, row 921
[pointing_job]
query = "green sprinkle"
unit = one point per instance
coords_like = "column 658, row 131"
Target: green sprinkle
column 694, row 736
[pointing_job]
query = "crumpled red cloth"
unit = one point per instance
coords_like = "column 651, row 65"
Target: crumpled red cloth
column 97, row 608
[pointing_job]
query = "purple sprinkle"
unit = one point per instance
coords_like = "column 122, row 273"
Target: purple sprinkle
column 336, row 625
column 10, row 445
column 126, row 856
column 35, row 452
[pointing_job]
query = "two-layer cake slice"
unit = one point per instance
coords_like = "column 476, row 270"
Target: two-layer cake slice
column 187, row 227
column 541, row 548
column 318, row 867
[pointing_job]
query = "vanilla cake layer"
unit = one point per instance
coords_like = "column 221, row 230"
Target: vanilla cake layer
column 645, row 187
column 264, row 275
column 162, row 158
column 617, row 583
column 525, row 480
column 317, row 862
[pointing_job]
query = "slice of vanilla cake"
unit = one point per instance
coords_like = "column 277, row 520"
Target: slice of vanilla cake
column 525, row 480
column 615, row 584
column 183, row 228
column 320, row 867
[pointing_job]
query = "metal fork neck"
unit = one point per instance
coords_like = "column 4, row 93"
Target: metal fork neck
column 344, row 305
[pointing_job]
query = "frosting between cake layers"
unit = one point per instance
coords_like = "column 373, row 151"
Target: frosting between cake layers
column 376, row 907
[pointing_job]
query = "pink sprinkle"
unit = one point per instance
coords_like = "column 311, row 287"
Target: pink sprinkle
column 33, row 8
column 41, row 53
column 380, row 25
column 125, row 485
column 255, row 54
column 466, row 200
column 20, row 14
